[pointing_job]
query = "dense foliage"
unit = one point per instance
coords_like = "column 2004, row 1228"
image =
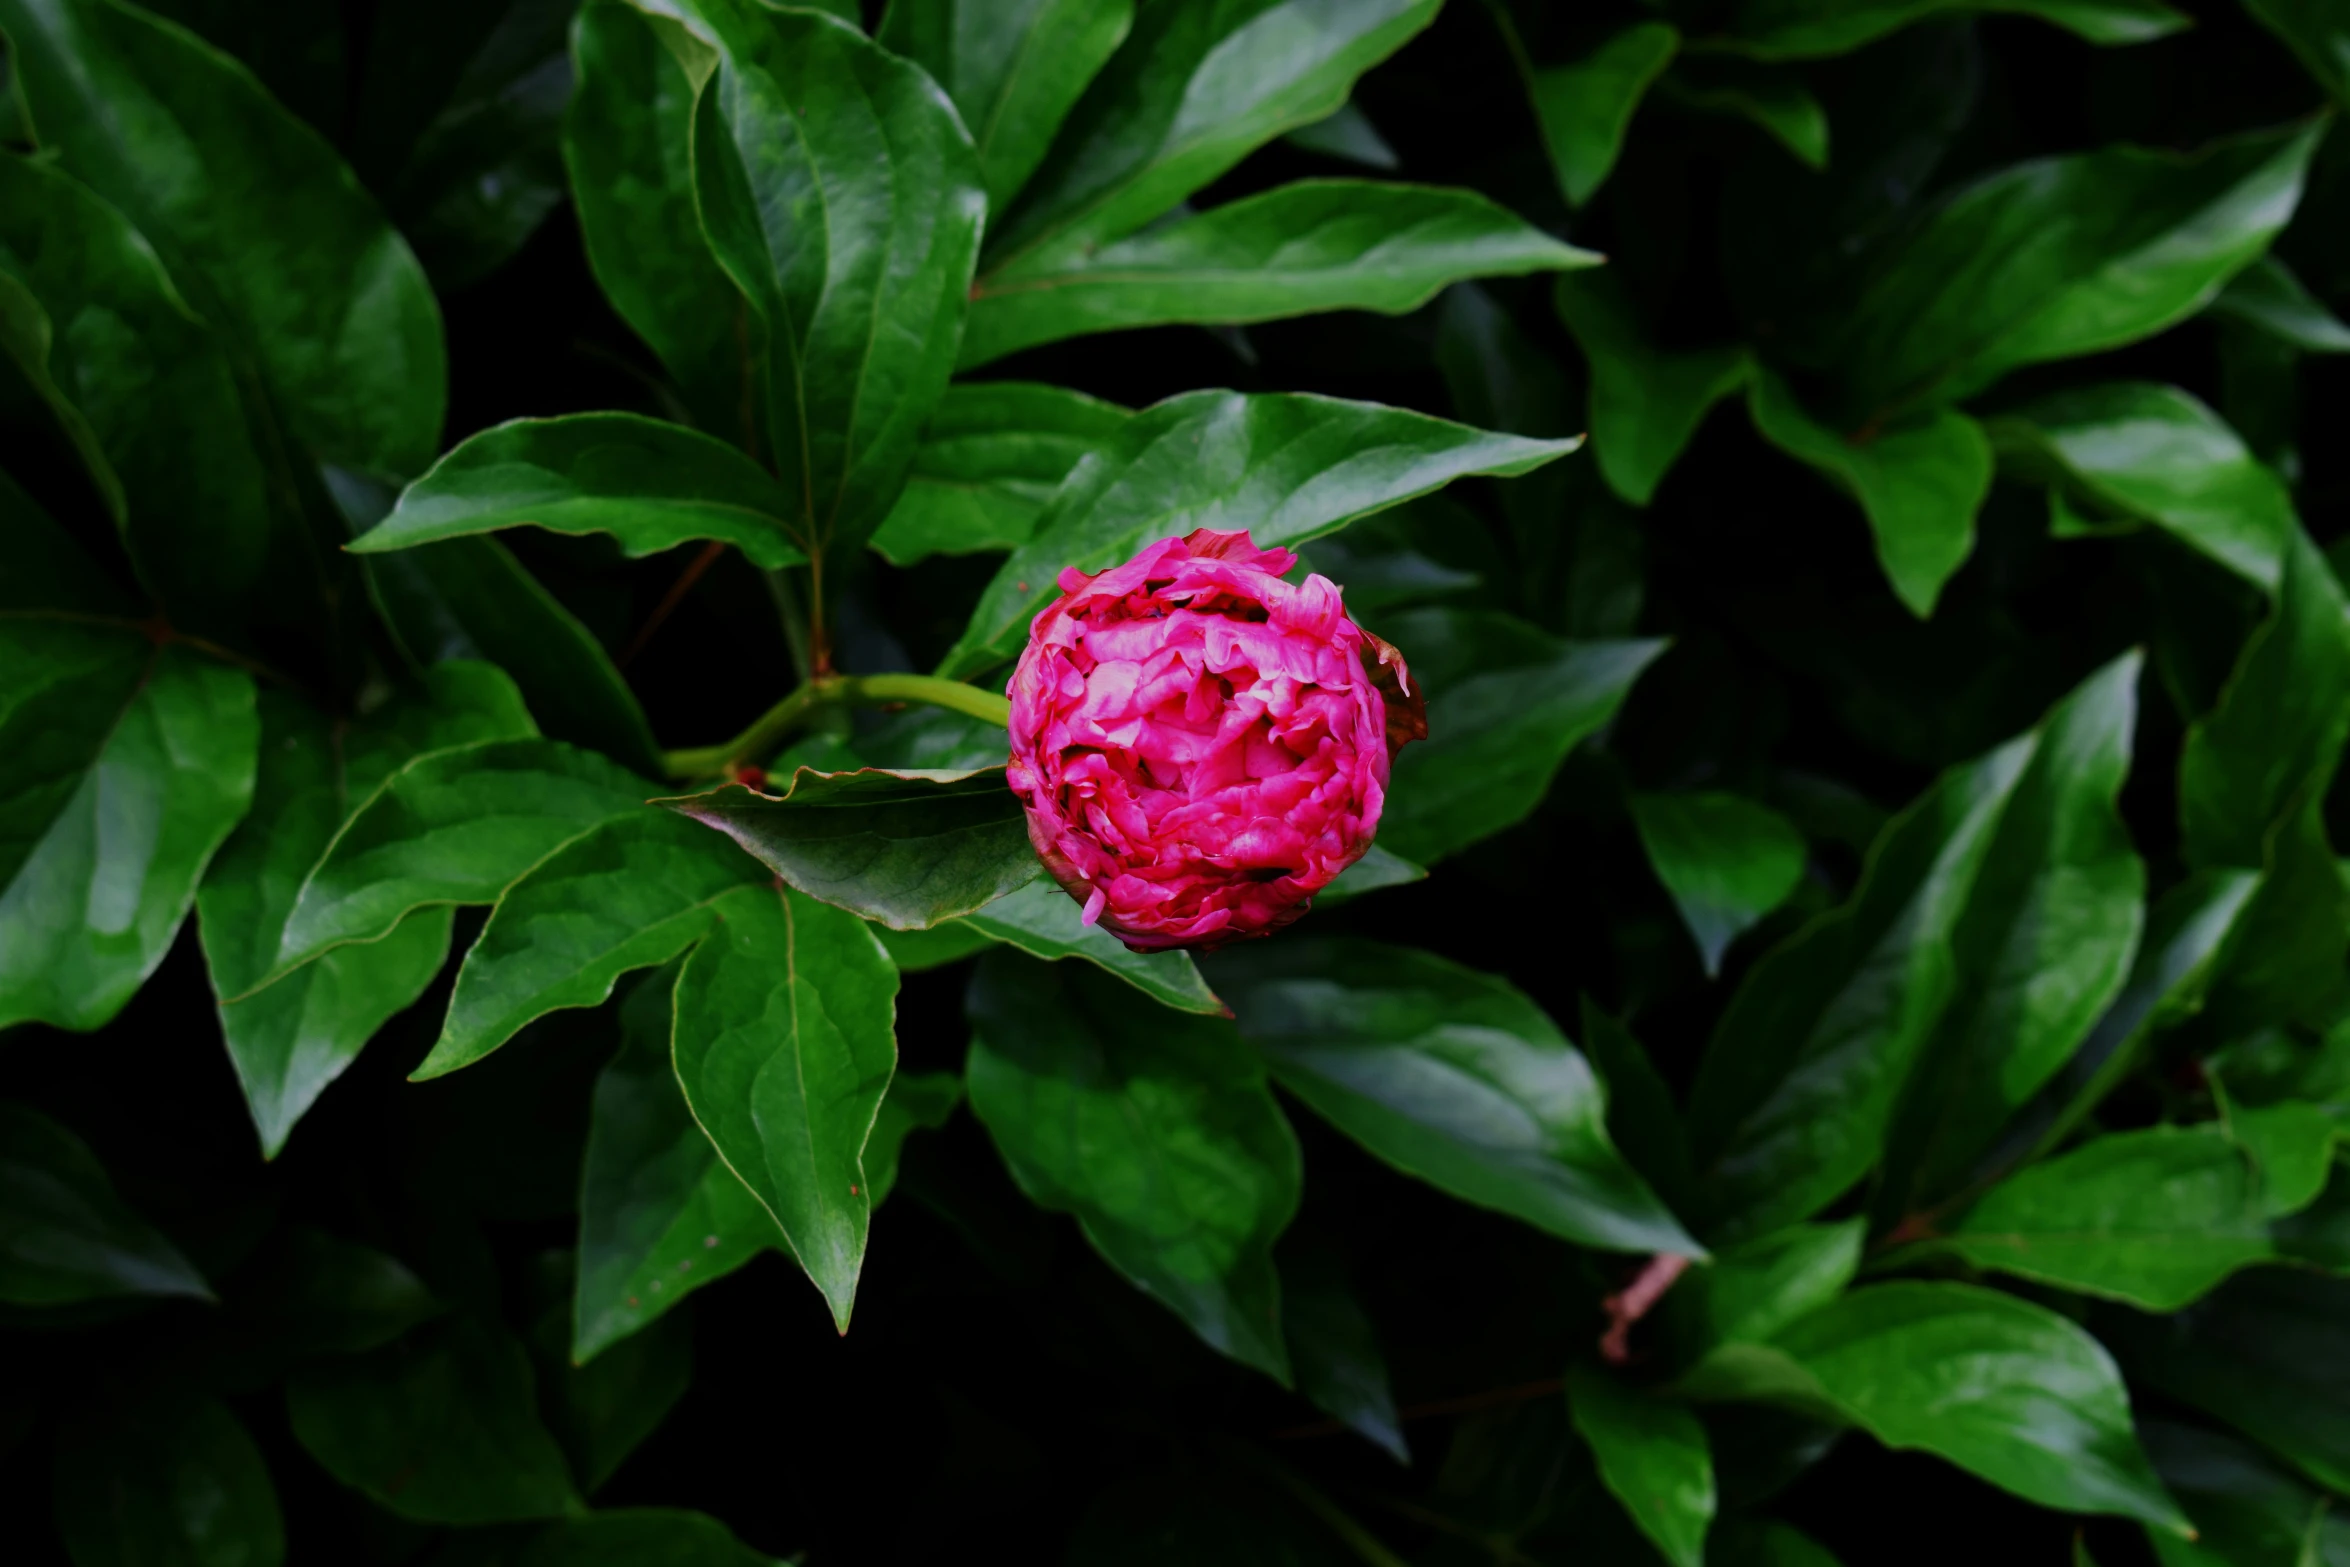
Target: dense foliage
column 514, row 519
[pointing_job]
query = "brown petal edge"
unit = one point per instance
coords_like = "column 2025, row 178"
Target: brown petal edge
column 1407, row 705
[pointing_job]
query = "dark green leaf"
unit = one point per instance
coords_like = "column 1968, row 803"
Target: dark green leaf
column 1743, row 1543
column 1652, row 1455
column 169, row 1482
column 1334, row 1350
column 651, row 486
column 1726, row 860
column 1015, row 68
column 784, row 1044
column 2291, row 1146
column 28, row 338
column 2157, row 454
column 2315, row 31
column 990, row 459
column 2267, row 295
column 1164, row 1142
column 1794, row 1098
column 1315, row 245
column 2248, row 1512
column 197, row 153
column 318, row 1294
column 660, row 1215
column 641, row 1537
column 1045, row 922
column 1191, row 92
column 1642, row 1115
column 1585, row 108
column 1775, row 100
column 1745, row 1294
column 626, row 142
column 64, row 1234
column 2154, row 1218
column 631, row 893
column 601, row 1413
column 838, row 190
column 41, row 565
column 441, row 1427
column 1645, row 402
column 1506, row 703
column 125, row 765
column 907, row 849
column 1920, row 482
column 1348, row 135
column 2065, row 256
column 455, row 826
column 917, row 1101
column 1805, row 29
column 1287, row 468
column 1449, row 1075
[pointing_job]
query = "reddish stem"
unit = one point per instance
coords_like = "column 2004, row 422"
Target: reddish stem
column 1634, row 1301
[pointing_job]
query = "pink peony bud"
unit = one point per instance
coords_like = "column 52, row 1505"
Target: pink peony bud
column 1201, row 746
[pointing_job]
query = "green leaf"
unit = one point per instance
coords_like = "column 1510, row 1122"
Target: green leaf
column 441, row 1426
column 28, row 338
column 650, row 486
column 2045, row 944
column 2267, row 295
column 2264, row 1354
column 1646, row 402
column 1775, row 100
column 1506, row 703
column 1798, row 1087
column 1808, row 29
column 167, row 1480
column 64, row 1234
column 1652, row 1455
column 316, row 1294
column 2009, row 1391
column 1919, row 482
column 1285, row 467
column 916, row 1101
column 126, row 765
column 154, row 387
column 2317, row 33
column 207, row 164
column 1743, row 1543
column 1045, row 922
column 2291, row 1146
column 1726, row 860
column 641, row 1537
column 907, row 849
column 630, row 893
column 2059, row 257
column 839, row 190
column 1642, row 1115
column 1335, row 1351
column 1585, row 108
column 2154, row 1218
column 602, row 1413
column 1347, row 134
column 454, row 826
column 1747, row 1293
column 2157, row 454
column 660, row 1215
column 41, row 565
column 1191, row 92
column 290, row 1038
column 2248, row 1512
column 784, row 1044
column 990, row 459
column 1293, row 250
column 1163, row 1142
column 1449, row 1075
column 1015, row 68
column 626, row 144
column 1377, row 869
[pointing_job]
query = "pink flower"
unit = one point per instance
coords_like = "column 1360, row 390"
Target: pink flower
column 1202, row 746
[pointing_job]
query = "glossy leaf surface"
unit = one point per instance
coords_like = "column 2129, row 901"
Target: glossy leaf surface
column 1586, row 107
column 1726, row 860
column 990, row 458
column 1652, row 1454
column 1045, row 922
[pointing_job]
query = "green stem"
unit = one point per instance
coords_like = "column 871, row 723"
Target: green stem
column 775, row 725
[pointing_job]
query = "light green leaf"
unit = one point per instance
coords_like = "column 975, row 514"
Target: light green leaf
column 2157, row 454
column 1920, row 483
column 441, row 1426
column 2267, row 295
column 455, row 826
column 170, row 1479
column 1015, row 68
column 1449, row 1075
column 784, row 1044
column 650, row 486
column 1646, row 402
column 2059, row 257
column 1192, row 91
column 1311, row 246
column 1506, row 703
column 907, row 849
column 281, row 237
column 1808, row 29
column 1745, row 1294
column 1726, row 860
column 838, row 190
column 1585, row 108
column 2291, row 1146
column 1163, row 1142
column 64, row 1234
column 1652, row 1455
column 990, row 458
column 1285, row 467
column 660, row 1214
column 126, row 765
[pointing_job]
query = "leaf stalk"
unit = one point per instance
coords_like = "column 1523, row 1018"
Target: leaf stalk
column 768, row 732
